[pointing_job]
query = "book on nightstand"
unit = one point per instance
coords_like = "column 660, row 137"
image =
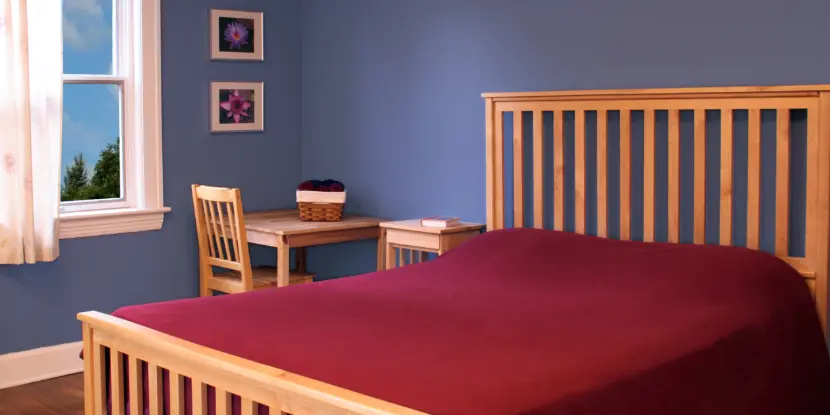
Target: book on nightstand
column 440, row 222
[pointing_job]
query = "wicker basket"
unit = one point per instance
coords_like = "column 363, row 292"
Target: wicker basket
column 320, row 206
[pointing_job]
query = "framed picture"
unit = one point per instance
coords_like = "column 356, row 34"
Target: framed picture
column 236, row 106
column 235, row 35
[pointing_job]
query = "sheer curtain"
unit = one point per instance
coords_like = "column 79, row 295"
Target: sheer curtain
column 31, row 70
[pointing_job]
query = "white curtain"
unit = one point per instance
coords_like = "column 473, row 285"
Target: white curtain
column 31, row 88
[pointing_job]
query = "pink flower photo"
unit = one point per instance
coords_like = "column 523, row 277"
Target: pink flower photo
column 236, row 106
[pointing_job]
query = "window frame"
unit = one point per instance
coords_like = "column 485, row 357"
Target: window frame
column 137, row 69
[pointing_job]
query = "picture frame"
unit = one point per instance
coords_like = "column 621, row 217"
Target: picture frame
column 236, row 35
column 236, row 106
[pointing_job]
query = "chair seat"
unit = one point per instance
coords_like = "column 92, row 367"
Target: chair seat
column 263, row 276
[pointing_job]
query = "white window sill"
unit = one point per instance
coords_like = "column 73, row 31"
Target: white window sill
column 110, row 222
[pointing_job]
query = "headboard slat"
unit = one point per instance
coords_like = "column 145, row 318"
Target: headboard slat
column 674, row 176
column 700, row 176
column 726, row 141
column 648, row 175
column 602, row 173
column 753, row 189
column 782, row 183
column 625, row 174
column 518, row 170
column 559, row 170
column 579, row 170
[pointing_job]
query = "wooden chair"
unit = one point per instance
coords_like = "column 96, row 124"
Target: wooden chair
column 223, row 243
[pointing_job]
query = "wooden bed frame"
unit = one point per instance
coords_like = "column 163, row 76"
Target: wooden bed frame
column 295, row 394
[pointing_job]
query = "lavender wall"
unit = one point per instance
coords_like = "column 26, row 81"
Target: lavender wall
column 38, row 303
column 391, row 89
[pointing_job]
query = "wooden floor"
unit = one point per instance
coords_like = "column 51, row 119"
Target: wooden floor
column 59, row 396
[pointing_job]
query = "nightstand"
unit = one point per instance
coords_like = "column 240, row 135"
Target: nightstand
column 409, row 235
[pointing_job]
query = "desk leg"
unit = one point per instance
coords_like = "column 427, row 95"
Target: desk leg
column 390, row 256
column 381, row 249
column 300, row 257
column 283, row 262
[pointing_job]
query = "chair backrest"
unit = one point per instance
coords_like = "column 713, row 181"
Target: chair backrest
column 220, row 226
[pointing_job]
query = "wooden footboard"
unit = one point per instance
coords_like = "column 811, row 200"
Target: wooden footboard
column 108, row 383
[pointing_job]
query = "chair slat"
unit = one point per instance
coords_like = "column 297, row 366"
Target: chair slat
column 215, row 223
column 208, row 228
column 782, row 178
column 221, row 208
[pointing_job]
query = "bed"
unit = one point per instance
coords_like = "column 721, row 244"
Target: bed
column 576, row 318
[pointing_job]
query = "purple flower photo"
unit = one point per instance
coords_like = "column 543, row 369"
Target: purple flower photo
column 237, row 35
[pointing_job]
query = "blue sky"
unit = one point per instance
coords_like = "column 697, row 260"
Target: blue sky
column 90, row 112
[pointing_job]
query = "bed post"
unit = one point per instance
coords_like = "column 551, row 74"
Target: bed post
column 823, row 231
column 490, row 154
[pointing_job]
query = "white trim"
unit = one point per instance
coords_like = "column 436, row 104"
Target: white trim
column 109, row 222
column 44, row 363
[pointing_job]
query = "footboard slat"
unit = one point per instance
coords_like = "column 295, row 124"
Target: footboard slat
column 117, row 381
column 223, row 402
column 252, row 383
column 136, row 389
column 99, row 377
column 249, row 407
column 156, row 390
column 177, row 396
column 199, row 397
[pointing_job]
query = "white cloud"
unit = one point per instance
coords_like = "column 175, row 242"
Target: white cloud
column 88, row 7
column 83, row 23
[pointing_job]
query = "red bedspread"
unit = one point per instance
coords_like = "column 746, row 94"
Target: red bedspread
column 539, row 322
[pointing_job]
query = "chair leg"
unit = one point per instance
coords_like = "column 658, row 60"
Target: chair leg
column 204, row 291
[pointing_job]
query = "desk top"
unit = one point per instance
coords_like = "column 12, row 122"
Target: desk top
column 287, row 222
column 415, row 225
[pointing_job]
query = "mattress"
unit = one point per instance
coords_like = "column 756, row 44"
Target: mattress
column 527, row 321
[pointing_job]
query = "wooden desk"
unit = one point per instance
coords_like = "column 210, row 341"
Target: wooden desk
column 283, row 229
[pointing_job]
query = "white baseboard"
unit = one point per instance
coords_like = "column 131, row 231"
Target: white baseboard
column 40, row 364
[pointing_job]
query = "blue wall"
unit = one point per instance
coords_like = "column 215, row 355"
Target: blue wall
column 392, row 90
column 391, row 106
column 38, row 303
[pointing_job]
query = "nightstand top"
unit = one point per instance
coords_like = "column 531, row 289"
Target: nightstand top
column 415, row 225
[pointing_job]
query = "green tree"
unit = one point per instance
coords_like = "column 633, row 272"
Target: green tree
column 106, row 178
column 75, row 181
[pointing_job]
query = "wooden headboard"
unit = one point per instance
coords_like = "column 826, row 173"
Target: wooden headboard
column 738, row 124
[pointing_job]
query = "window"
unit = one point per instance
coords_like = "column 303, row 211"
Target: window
column 111, row 146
